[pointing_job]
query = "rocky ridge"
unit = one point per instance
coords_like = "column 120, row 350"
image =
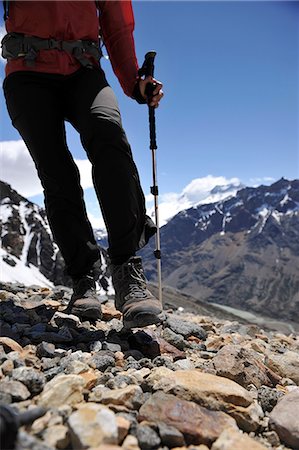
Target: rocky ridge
column 241, row 252
column 193, row 382
column 28, row 251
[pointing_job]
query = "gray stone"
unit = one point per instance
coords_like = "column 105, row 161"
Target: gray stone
column 17, row 360
column 16, row 389
column 95, row 346
column 112, row 347
column 177, row 340
column 186, row 329
column 120, row 381
column 170, row 436
column 268, row 397
column 27, row 442
column 164, row 361
column 45, row 349
column 101, row 362
column 148, row 439
column 5, row 397
column 31, row 378
column 131, row 363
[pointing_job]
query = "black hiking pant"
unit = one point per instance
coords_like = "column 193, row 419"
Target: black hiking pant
column 38, row 105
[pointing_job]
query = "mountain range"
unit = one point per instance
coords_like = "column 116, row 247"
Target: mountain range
column 242, row 251
column 240, row 248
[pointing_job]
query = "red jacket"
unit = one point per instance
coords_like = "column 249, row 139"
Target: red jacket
column 73, row 20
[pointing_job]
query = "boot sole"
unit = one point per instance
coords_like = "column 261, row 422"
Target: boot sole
column 143, row 319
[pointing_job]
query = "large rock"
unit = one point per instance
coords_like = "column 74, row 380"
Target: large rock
column 284, row 419
column 241, row 365
column 92, row 425
column 197, row 424
column 286, row 364
column 234, row 440
column 61, row 390
column 210, row 391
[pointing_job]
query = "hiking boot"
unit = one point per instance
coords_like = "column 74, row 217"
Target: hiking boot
column 84, row 302
column 138, row 305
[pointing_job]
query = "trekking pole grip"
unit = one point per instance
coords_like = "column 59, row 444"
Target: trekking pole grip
column 147, row 69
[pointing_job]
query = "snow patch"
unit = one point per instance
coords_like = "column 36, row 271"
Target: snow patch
column 21, row 273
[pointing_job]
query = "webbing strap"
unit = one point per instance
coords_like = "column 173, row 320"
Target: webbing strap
column 15, row 45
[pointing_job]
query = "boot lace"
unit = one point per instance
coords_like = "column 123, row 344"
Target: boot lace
column 132, row 281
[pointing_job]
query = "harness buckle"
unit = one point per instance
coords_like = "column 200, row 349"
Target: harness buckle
column 53, row 44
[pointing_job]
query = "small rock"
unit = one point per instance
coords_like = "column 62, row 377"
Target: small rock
column 175, row 339
column 164, row 361
column 16, row 389
column 272, row 438
column 7, row 367
column 27, row 442
column 90, row 379
column 129, row 396
column 61, row 390
column 10, row 344
column 186, row 329
column 95, row 346
column 17, row 360
column 170, row 436
column 110, row 312
column 31, row 378
column 92, row 425
column 45, row 349
column 61, row 319
column 123, row 426
column 130, row 443
column 112, row 347
column 101, row 361
column 235, row 440
column 76, row 367
column 284, row 419
column 286, row 365
column 148, row 439
column 120, row 381
column 57, row 436
column 5, row 397
column 184, row 364
column 268, row 397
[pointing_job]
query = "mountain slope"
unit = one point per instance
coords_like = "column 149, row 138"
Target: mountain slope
column 28, row 253
column 242, row 252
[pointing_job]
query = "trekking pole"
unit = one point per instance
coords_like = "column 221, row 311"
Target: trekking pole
column 147, row 69
column 11, row 421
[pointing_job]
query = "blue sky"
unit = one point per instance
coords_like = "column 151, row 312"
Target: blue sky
column 231, row 108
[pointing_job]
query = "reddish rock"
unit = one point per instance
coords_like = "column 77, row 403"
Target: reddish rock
column 284, row 419
column 240, row 365
column 198, row 425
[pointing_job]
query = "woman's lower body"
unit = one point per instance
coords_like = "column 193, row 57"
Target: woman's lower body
column 39, row 104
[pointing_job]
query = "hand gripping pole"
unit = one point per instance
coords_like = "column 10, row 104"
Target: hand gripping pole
column 147, row 69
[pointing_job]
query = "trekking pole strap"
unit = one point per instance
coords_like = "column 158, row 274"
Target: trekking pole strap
column 16, row 45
